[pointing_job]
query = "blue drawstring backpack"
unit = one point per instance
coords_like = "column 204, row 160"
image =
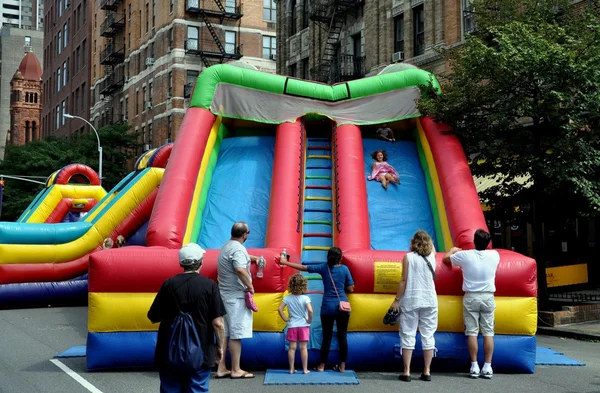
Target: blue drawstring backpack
column 185, row 353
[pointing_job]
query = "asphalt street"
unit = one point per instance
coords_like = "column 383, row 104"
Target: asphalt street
column 30, row 338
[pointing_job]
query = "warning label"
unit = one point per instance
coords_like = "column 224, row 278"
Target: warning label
column 387, row 277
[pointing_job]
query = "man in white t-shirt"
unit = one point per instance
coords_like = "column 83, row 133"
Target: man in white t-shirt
column 385, row 133
column 479, row 275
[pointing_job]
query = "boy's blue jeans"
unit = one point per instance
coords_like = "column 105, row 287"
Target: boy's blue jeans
column 176, row 383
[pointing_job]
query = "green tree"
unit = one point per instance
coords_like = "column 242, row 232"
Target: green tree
column 524, row 98
column 41, row 158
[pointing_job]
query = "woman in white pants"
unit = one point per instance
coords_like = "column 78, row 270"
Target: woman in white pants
column 417, row 300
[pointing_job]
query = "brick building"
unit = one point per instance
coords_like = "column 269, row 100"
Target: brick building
column 66, row 78
column 14, row 44
column 24, row 14
column 335, row 40
column 147, row 55
column 26, row 101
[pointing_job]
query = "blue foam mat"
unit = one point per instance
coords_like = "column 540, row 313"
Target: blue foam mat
column 549, row 357
column 78, row 351
column 283, row 377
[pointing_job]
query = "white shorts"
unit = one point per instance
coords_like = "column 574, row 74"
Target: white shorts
column 426, row 319
column 478, row 313
column 238, row 321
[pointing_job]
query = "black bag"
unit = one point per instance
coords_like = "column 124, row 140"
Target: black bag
column 185, row 354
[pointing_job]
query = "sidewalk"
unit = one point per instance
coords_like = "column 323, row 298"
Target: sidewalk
column 579, row 331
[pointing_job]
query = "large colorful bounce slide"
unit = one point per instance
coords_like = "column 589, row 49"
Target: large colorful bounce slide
column 291, row 158
column 44, row 255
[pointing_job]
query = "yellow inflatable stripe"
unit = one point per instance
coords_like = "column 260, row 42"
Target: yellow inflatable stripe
column 60, row 191
column 321, row 248
column 105, row 202
column 144, row 162
column 210, row 144
column 127, row 312
column 435, row 180
column 514, row 315
column 45, row 253
column 116, row 312
column 317, row 198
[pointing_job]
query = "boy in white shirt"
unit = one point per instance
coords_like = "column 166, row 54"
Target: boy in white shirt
column 479, row 275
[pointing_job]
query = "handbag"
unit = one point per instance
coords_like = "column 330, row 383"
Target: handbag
column 344, row 305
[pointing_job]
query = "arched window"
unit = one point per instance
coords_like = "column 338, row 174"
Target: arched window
column 27, row 97
column 35, row 97
column 34, row 131
column 27, row 132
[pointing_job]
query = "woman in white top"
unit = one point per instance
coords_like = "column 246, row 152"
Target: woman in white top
column 417, row 300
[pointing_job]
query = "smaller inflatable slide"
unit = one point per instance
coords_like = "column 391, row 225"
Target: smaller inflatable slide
column 291, row 158
column 44, row 255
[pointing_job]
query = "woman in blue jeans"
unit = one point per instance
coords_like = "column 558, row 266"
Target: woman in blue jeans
column 332, row 272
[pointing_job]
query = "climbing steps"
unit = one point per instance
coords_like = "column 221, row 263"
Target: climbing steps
column 318, row 214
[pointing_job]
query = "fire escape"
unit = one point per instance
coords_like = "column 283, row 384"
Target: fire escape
column 212, row 42
column 112, row 56
column 335, row 66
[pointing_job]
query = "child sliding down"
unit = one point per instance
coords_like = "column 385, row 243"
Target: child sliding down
column 300, row 317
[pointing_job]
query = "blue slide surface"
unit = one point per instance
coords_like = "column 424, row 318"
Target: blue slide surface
column 239, row 191
column 397, row 213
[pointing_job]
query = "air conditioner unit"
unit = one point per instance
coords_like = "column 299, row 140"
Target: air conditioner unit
column 146, row 147
column 168, row 140
column 169, row 49
column 149, row 105
column 398, row 56
column 125, row 119
column 168, row 95
column 27, row 48
column 273, row 57
column 127, row 79
column 149, row 61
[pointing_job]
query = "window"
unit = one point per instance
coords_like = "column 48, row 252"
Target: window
column 94, row 76
column 79, row 17
column 66, row 4
column 305, row 17
column 147, row 16
column 140, row 23
column 137, row 101
column 59, row 42
column 58, row 80
column 468, row 17
column 144, row 99
column 171, row 37
column 64, row 110
column 64, row 73
column 84, row 12
column 269, row 47
column 150, row 136
column 305, row 69
column 357, row 45
column 129, row 13
column 294, row 18
column 60, row 8
column 57, row 114
column 77, row 100
column 293, row 70
column 230, row 6
column 399, row 33
column 419, row 30
column 144, row 135
column 230, row 42
column 84, row 53
column 27, row 40
column 95, row 43
column 126, row 107
column 170, row 82
column 77, row 60
column 169, row 128
column 171, row 6
column 269, row 10
column 65, row 34
column 129, row 40
column 153, row 12
column 83, row 95
column 150, row 91
column 190, row 82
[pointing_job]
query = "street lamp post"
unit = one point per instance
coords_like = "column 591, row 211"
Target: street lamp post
column 97, row 137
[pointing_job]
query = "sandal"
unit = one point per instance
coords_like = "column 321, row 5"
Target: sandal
column 337, row 368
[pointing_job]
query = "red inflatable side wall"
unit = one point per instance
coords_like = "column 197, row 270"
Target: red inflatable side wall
column 69, row 171
column 168, row 222
column 353, row 215
column 516, row 275
column 161, row 157
column 136, row 276
column 283, row 207
column 463, row 207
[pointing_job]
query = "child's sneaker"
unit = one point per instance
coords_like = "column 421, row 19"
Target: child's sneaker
column 474, row 373
column 487, row 373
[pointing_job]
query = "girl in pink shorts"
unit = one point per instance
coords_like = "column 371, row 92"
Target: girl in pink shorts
column 300, row 317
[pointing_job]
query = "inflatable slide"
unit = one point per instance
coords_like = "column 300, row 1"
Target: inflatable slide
column 291, row 158
column 44, row 255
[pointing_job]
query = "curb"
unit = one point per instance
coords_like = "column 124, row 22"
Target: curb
column 568, row 333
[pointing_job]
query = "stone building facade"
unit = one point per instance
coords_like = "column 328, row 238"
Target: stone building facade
column 26, row 102
column 147, row 55
column 362, row 37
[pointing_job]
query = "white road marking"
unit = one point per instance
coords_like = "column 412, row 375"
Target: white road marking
column 76, row 376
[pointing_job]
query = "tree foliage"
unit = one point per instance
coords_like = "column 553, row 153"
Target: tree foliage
column 41, row 158
column 524, row 98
